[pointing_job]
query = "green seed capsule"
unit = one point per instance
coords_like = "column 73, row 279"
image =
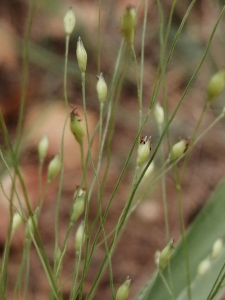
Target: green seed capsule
column 217, row 248
column 43, row 147
column 17, row 221
column 216, row 85
column 81, row 56
column 101, row 88
column 204, row 266
column 80, row 237
column 165, row 255
column 127, row 24
column 159, row 114
column 69, row 22
column 76, row 126
column 177, row 150
column 78, row 206
column 143, row 150
column 54, row 167
column 123, row 290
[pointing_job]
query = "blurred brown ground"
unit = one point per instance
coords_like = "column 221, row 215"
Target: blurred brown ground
column 45, row 111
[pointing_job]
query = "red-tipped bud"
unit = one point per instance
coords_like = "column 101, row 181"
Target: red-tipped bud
column 76, row 126
column 79, row 205
column 177, row 150
column 143, row 150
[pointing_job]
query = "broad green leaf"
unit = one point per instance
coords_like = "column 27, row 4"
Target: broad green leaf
column 205, row 230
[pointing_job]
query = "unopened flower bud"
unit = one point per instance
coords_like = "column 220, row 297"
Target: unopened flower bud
column 165, row 255
column 76, row 126
column 78, row 206
column 216, row 85
column 17, row 220
column 217, row 248
column 43, row 148
column 101, row 88
column 127, row 24
column 159, row 114
column 81, row 56
column 177, row 150
column 123, row 290
column 80, row 237
column 143, row 150
column 54, row 167
column 203, row 267
column 69, row 22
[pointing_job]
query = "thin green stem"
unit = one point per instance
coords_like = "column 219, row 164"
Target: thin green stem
column 99, row 35
column 62, row 152
column 164, row 194
column 76, row 273
column 138, row 86
column 25, row 76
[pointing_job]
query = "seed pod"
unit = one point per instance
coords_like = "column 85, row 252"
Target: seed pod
column 76, row 126
column 177, row 150
column 69, row 22
column 101, row 88
column 203, row 267
column 216, row 85
column 54, row 167
column 217, row 248
column 17, row 221
column 80, row 237
column 143, row 150
column 127, row 24
column 123, row 290
column 159, row 114
column 81, row 56
column 43, row 148
column 165, row 255
column 78, row 206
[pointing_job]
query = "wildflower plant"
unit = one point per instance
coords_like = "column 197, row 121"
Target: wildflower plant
column 183, row 268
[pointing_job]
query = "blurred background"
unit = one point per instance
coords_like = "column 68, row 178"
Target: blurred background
column 45, row 113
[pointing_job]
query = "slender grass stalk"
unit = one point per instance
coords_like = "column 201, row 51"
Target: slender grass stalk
column 76, row 273
column 138, row 86
column 25, row 76
column 26, row 280
column 62, row 151
column 166, row 285
column 24, row 261
column 99, row 35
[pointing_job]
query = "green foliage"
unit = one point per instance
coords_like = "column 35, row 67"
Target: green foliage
column 206, row 228
column 178, row 276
